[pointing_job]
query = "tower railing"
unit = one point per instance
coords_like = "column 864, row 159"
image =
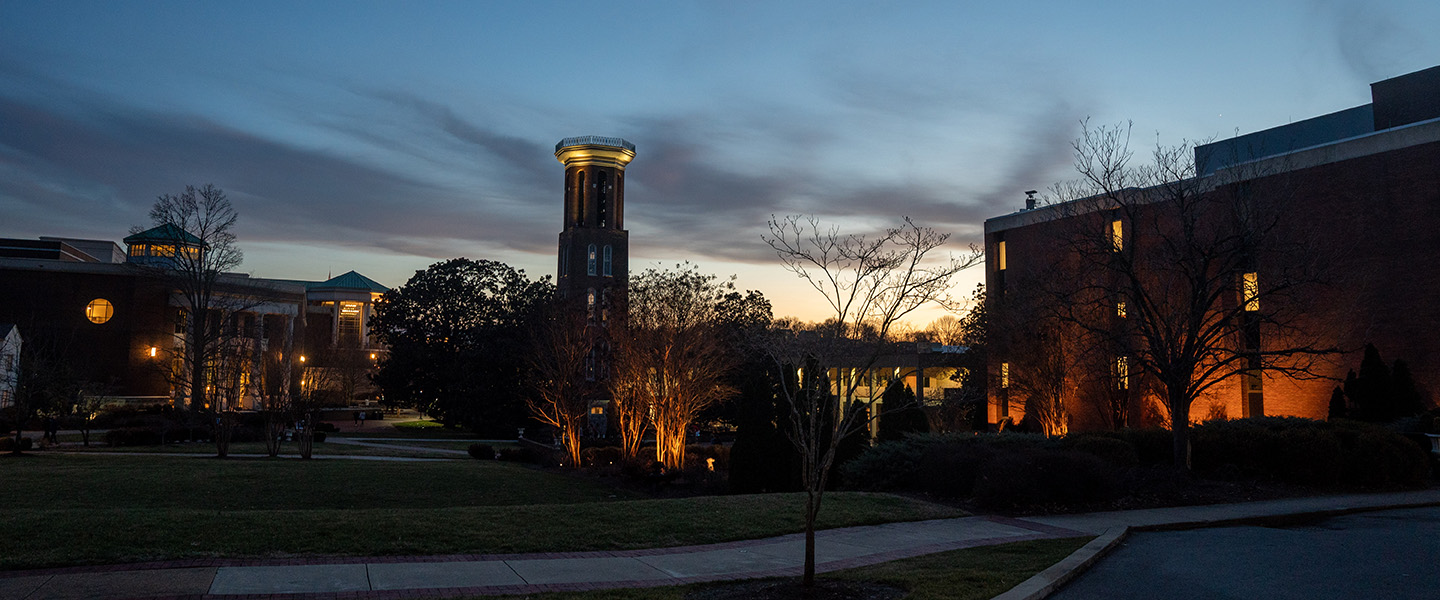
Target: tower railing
column 595, row 140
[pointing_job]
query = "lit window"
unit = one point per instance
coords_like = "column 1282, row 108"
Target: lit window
column 1122, row 373
column 606, row 262
column 1250, row 291
column 1000, row 255
column 1004, row 374
column 590, row 303
column 1117, row 235
column 597, row 410
column 590, row 260
column 99, row 310
column 1120, row 308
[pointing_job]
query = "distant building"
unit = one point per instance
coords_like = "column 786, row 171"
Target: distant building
column 1369, row 181
column 114, row 318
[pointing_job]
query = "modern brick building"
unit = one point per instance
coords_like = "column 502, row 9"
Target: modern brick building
column 110, row 315
column 1360, row 186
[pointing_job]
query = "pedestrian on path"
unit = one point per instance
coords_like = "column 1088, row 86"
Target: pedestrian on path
column 362, row 419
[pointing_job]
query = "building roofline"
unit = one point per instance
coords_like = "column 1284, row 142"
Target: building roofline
column 1369, row 144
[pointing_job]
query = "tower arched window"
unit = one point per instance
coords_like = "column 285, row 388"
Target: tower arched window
column 580, row 198
column 590, row 303
column 590, row 260
column 606, row 263
column 602, row 199
column 565, row 260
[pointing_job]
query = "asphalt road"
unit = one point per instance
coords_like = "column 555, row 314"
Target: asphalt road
column 1388, row 554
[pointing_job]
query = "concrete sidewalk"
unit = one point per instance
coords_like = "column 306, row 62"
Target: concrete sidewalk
column 448, row 576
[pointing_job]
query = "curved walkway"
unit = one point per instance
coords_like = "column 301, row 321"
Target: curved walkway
column 464, row 575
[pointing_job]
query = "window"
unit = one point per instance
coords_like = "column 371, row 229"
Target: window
column 590, row 303
column 597, row 410
column 1117, row 235
column 1120, row 308
column 99, row 310
column 348, row 330
column 1250, row 291
column 606, row 262
column 590, row 260
column 602, row 200
column 580, row 200
column 1004, row 375
column 565, row 260
column 1000, row 255
column 1122, row 373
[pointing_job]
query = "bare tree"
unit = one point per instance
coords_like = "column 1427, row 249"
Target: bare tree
column 561, row 349
column 670, row 355
column 1188, row 280
column 194, row 246
column 870, row 284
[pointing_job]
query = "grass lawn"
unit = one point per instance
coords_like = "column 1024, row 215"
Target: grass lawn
column 970, row 574
column 286, row 449
column 444, row 445
column 64, row 510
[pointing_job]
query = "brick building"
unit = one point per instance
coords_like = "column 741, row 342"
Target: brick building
column 1360, row 187
column 112, row 318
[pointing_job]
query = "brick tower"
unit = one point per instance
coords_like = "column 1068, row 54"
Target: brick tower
column 594, row 259
column 594, row 246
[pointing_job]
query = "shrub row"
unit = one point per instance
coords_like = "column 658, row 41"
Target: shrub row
column 7, row 444
column 1011, row 470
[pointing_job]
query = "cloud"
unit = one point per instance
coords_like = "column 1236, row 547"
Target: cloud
column 1371, row 40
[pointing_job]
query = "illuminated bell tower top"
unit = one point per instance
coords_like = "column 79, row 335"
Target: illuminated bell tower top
column 594, row 181
column 593, row 261
column 595, row 150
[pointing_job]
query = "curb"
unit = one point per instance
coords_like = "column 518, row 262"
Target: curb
column 1046, row 582
column 1052, row 579
column 1281, row 520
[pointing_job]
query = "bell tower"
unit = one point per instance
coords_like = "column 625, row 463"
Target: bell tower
column 594, row 252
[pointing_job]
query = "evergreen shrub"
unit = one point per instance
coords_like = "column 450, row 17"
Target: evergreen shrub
column 481, row 451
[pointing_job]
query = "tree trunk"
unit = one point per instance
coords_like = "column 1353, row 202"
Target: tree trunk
column 1180, row 427
column 274, row 428
column 812, row 510
column 224, row 430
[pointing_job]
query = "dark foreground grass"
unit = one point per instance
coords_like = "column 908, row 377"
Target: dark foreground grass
column 85, row 510
column 971, row 574
column 287, row 449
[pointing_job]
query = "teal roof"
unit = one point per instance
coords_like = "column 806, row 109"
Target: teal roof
column 168, row 232
column 349, row 281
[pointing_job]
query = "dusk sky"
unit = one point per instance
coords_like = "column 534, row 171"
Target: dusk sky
column 386, row 136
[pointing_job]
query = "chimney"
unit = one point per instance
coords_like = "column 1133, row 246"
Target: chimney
column 1030, row 199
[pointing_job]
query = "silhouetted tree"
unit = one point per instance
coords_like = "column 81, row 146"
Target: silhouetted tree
column 1379, row 394
column 456, row 334
column 1338, row 409
column 909, row 417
